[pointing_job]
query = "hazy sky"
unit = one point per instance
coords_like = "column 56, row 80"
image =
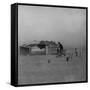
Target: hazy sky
column 48, row 23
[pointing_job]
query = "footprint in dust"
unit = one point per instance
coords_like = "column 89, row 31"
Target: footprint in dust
column 49, row 61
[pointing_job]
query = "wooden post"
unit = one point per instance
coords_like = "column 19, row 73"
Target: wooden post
column 46, row 50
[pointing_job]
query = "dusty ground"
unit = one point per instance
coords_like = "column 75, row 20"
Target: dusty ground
column 49, row 69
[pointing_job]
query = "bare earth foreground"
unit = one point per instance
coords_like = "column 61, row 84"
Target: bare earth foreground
column 37, row 69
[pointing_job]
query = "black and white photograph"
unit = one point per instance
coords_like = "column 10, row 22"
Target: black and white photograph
column 52, row 44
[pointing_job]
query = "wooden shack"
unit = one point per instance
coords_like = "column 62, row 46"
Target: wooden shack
column 40, row 48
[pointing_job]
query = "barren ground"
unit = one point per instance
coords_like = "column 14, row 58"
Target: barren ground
column 37, row 69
